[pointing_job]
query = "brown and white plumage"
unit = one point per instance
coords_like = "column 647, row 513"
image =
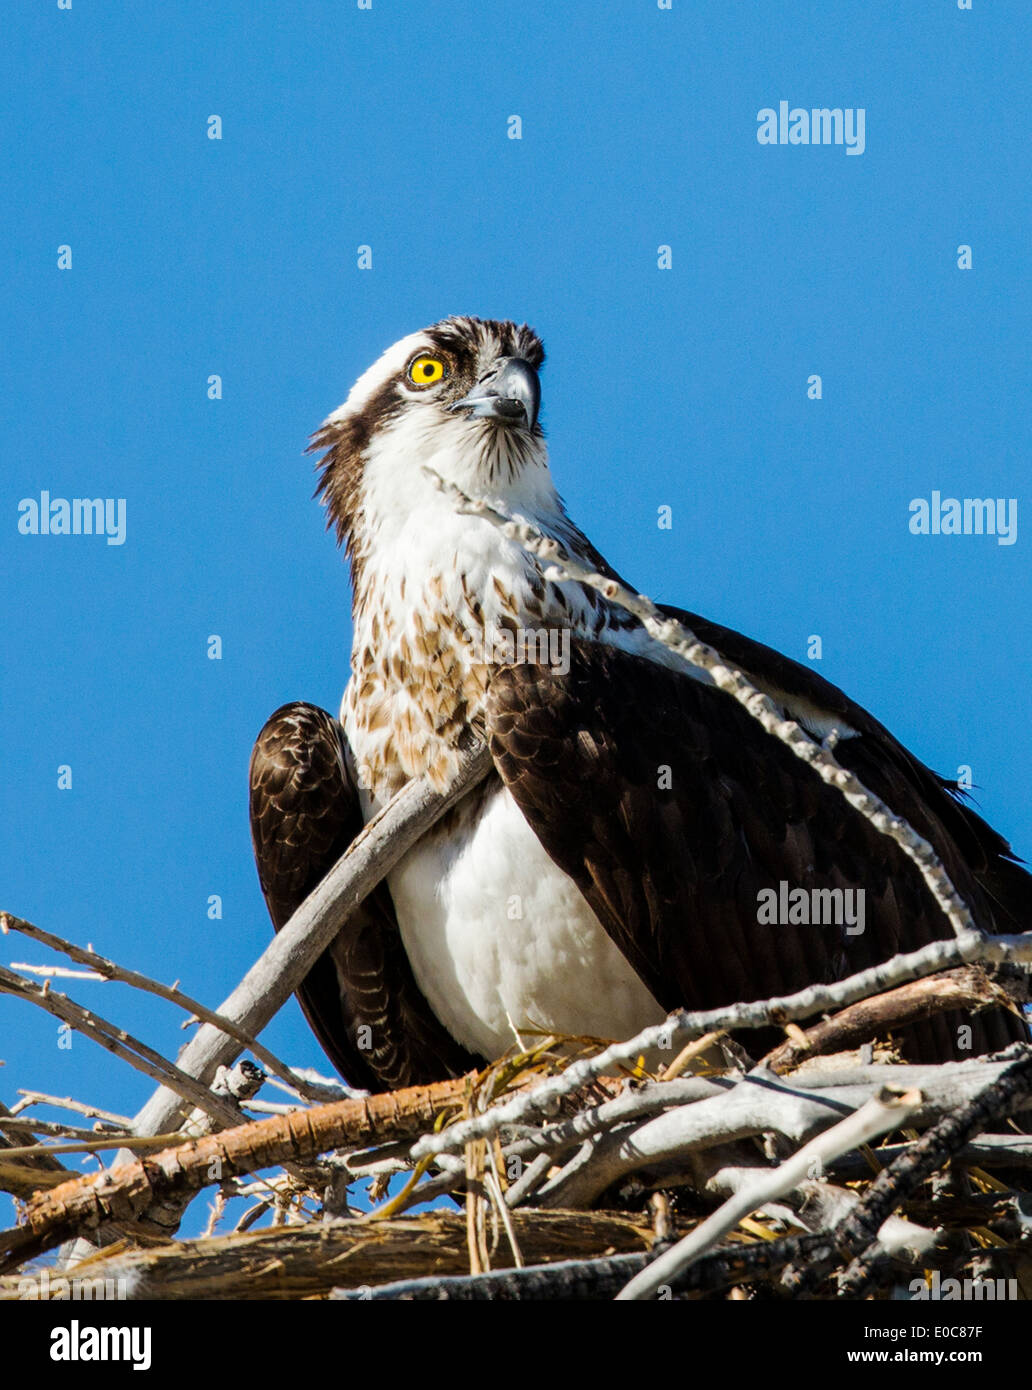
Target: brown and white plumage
column 576, row 890
column 360, row 999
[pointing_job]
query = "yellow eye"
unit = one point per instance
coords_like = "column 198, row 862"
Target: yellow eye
column 425, row 370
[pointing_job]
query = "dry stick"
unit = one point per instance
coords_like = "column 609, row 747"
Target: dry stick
column 295, row 1262
column 96, row 1145
column 988, row 1151
column 591, row 1279
column 682, row 1026
column 233, row 1085
column 105, row 969
column 881, row 1113
column 125, row 1193
column 120, row 1042
column 758, row 1104
column 13, row 1175
column 676, row 637
column 67, row 1103
column 857, row 1235
column 494, row 1183
column 54, row 1129
column 574, row 1280
column 297, row 946
column 555, row 1139
column 130, row 1190
column 51, row 972
column 967, row 987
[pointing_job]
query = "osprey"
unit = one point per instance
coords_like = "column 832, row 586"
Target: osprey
column 614, row 864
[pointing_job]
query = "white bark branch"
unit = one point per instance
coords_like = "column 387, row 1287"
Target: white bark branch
column 105, row 969
column 295, row 949
column 760, row 1103
column 676, row 637
column 682, row 1026
column 880, row 1113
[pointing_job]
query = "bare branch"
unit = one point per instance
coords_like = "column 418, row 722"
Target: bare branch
column 858, row 1234
column 298, row 1262
column 757, row 1104
column 104, row 969
column 682, row 1026
column 967, row 987
column 295, row 949
column 885, row 1111
column 127, row 1192
column 118, row 1041
column 676, row 637
column 67, row 1103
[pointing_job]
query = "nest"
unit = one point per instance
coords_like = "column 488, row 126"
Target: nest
column 570, row 1169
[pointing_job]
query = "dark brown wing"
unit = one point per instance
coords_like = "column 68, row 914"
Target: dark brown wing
column 672, row 809
column 883, row 764
column 360, row 998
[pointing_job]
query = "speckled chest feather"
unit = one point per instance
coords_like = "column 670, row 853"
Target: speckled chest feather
column 421, row 663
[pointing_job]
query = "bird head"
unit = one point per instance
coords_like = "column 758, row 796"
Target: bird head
column 461, row 398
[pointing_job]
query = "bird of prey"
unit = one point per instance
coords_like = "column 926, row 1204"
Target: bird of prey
column 614, row 864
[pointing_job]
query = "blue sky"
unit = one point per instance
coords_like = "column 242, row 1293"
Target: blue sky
column 684, row 387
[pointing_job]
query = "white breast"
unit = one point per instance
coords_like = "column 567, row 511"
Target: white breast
column 501, row 940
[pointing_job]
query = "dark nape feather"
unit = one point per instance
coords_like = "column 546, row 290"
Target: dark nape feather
column 360, row 998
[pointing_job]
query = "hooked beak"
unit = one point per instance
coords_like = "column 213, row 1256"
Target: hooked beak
column 511, row 392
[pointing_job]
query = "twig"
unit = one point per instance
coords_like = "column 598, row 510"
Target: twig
column 682, row 1026
column 119, row 1041
column 55, row 1129
column 67, row 1103
column 988, row 1151
column 676, row 637
column 566, row 1279
column 857, row 1236
column 104, row 969
column 758, row 1104
column 126, row 1193
column 296, row 947
column 98, row 1145
column 882, row 1112
column 529, row 1180
column 55, row 972
column 967, row 987
column 494, row 1186
column 555, row 1139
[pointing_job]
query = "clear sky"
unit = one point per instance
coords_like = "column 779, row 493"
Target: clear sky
column 684, row 387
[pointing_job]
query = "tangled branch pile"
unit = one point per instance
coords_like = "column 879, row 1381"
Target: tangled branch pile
column 573, row 1171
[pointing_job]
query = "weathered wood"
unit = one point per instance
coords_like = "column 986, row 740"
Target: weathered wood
column 294, row 950
column 305, row 1261
column 126, row 1193
column 967, row 987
